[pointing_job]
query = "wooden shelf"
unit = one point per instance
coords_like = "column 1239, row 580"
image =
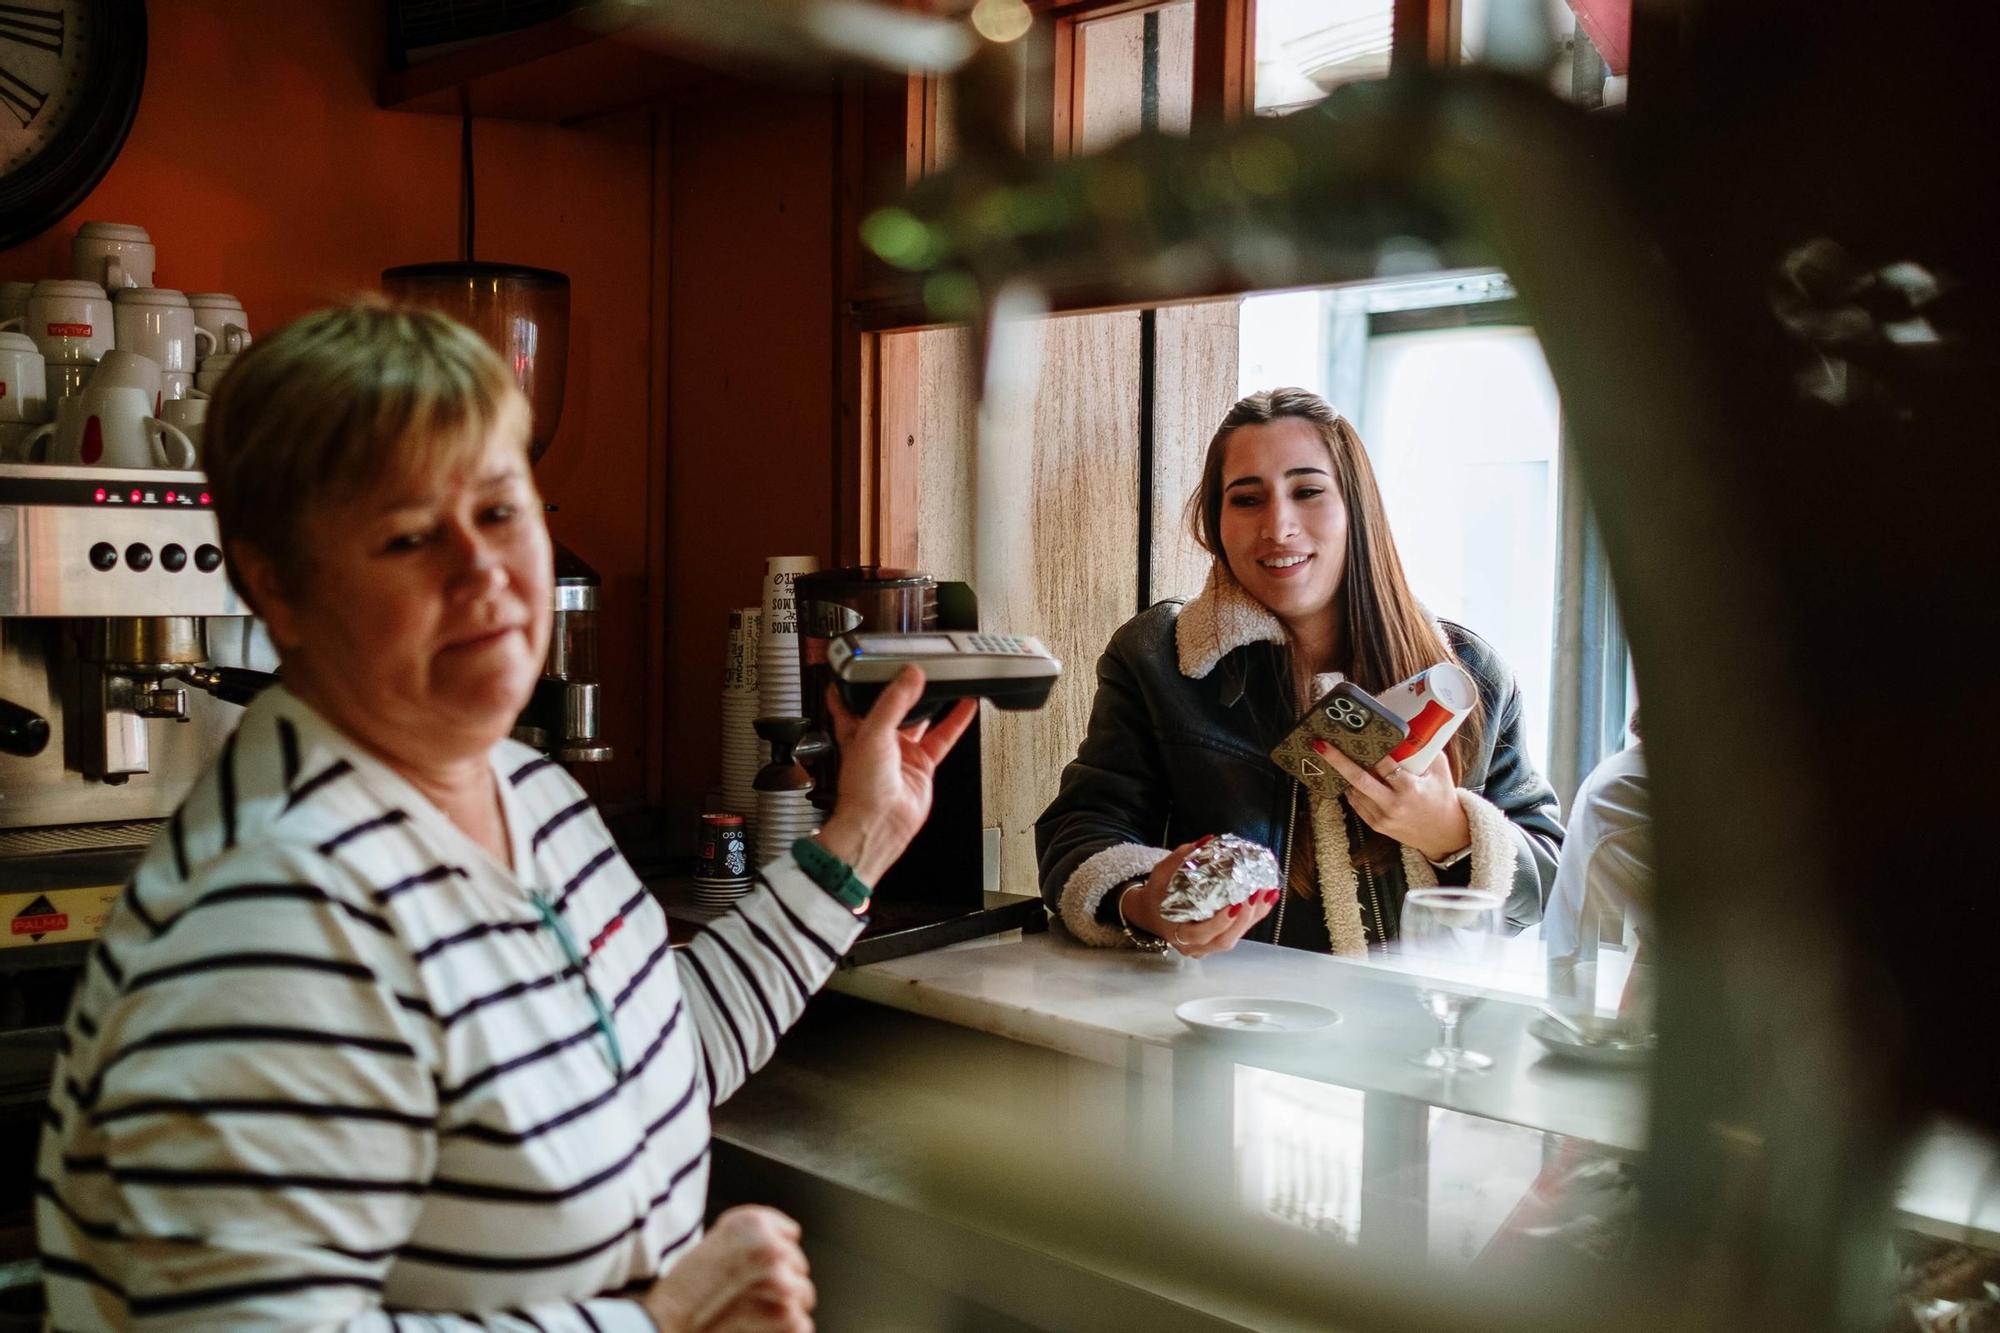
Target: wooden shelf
column 593, row 61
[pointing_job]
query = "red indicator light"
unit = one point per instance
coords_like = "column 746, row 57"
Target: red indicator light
column 100, row 495
column 204, row 497
column 135, row 497
column 170, row 497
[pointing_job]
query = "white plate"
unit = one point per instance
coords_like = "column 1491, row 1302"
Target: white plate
column 1255, row 1016
column 1566, row 1045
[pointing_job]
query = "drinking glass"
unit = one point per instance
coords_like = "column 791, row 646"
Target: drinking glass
column 1452, row 935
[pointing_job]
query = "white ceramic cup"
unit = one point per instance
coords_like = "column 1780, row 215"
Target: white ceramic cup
column 190, row 415
column 112, row 255
column 111, row 427
column 213, row 368
column 14, row 437
column 14, row 301
column 221, row 317
column 121, row 369
column 70, row 321
column 158, row 323
column 24, row 382
column 176, row 384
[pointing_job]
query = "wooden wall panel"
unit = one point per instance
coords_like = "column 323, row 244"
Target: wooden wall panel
column 1057, row 540
column 946, row 500
column 899, row 449
column 751, row 422
column 1109, row 64
column 1195, row 355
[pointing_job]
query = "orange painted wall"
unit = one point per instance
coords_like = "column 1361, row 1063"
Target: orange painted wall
column 262, row 167
column 751, row 387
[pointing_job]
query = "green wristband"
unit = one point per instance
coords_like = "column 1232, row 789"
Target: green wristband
column 832, row 874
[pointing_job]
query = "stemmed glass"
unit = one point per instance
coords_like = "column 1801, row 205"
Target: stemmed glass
column 1452, row 935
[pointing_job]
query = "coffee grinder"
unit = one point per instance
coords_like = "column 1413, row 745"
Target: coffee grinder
column 524, row 313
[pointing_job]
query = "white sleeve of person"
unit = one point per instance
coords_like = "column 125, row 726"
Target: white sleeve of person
column 748, row 975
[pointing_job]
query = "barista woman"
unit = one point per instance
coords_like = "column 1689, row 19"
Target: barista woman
column 385, row 1033
column 1306, row 589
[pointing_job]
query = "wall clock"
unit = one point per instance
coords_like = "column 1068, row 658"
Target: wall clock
column 70, row 76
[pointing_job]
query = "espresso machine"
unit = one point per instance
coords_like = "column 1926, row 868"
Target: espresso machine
column 524, row 313
column 125, row 655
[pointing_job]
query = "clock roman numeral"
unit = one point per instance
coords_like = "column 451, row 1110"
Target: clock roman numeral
column 23, row 99
column 39, row 28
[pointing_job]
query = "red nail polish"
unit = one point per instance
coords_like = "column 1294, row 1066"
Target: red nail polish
column 1234, row 908
column 1204, row 840
column 1270, row 895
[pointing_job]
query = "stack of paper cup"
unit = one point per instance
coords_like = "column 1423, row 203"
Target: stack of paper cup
column 778, row 648
column 742, row 753
column 782, row 817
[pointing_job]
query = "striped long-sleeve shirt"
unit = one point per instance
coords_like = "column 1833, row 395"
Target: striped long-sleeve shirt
column 329, row 1068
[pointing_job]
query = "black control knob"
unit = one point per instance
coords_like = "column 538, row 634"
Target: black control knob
column 22, row 732
column 173, row 558
column 207, row 558
column 139, row 555
column 104, row 556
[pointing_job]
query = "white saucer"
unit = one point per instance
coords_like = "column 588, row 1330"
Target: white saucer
column 1566, row 1045
column 1255, row 1016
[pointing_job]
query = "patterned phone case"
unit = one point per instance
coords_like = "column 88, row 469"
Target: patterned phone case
column 1345, row 716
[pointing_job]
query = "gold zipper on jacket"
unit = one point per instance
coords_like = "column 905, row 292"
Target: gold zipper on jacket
column 1368, row 882
column 1285, row 871
column 1374, row 901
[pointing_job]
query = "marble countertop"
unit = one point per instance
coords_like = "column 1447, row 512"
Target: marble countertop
column 1116, row 1008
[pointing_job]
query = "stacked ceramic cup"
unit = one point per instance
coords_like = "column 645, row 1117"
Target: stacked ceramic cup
column 58, row 337
column 24, row 394
column 742, row 753
column 783, row 817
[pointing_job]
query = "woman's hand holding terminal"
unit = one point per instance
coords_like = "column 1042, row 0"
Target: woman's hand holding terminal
column 885, row 774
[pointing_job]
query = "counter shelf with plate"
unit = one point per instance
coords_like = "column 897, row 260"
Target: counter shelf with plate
column 1337, row 1134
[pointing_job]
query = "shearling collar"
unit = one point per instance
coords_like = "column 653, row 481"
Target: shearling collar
column 1218, row 622
column 1224, row 618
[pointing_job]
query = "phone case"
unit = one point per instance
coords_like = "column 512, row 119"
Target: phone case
column 1348, row 717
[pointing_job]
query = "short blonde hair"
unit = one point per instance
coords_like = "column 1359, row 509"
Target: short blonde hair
column 338, row 402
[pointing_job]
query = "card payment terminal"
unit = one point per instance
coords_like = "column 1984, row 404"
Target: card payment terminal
column 1015, row 671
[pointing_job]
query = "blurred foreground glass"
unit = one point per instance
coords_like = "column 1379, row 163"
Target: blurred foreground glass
column 1453, row 935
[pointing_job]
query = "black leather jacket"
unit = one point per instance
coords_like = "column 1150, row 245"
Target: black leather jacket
column 1168, row 758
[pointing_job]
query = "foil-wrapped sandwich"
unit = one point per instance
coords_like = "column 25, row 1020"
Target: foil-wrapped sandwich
column 1218, row 874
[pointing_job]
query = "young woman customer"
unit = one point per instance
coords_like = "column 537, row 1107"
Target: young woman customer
column 1306, row 589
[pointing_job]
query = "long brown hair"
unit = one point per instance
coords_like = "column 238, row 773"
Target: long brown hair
column 1386, row 635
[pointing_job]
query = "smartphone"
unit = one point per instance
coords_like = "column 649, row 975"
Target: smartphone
column 1348, row 718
